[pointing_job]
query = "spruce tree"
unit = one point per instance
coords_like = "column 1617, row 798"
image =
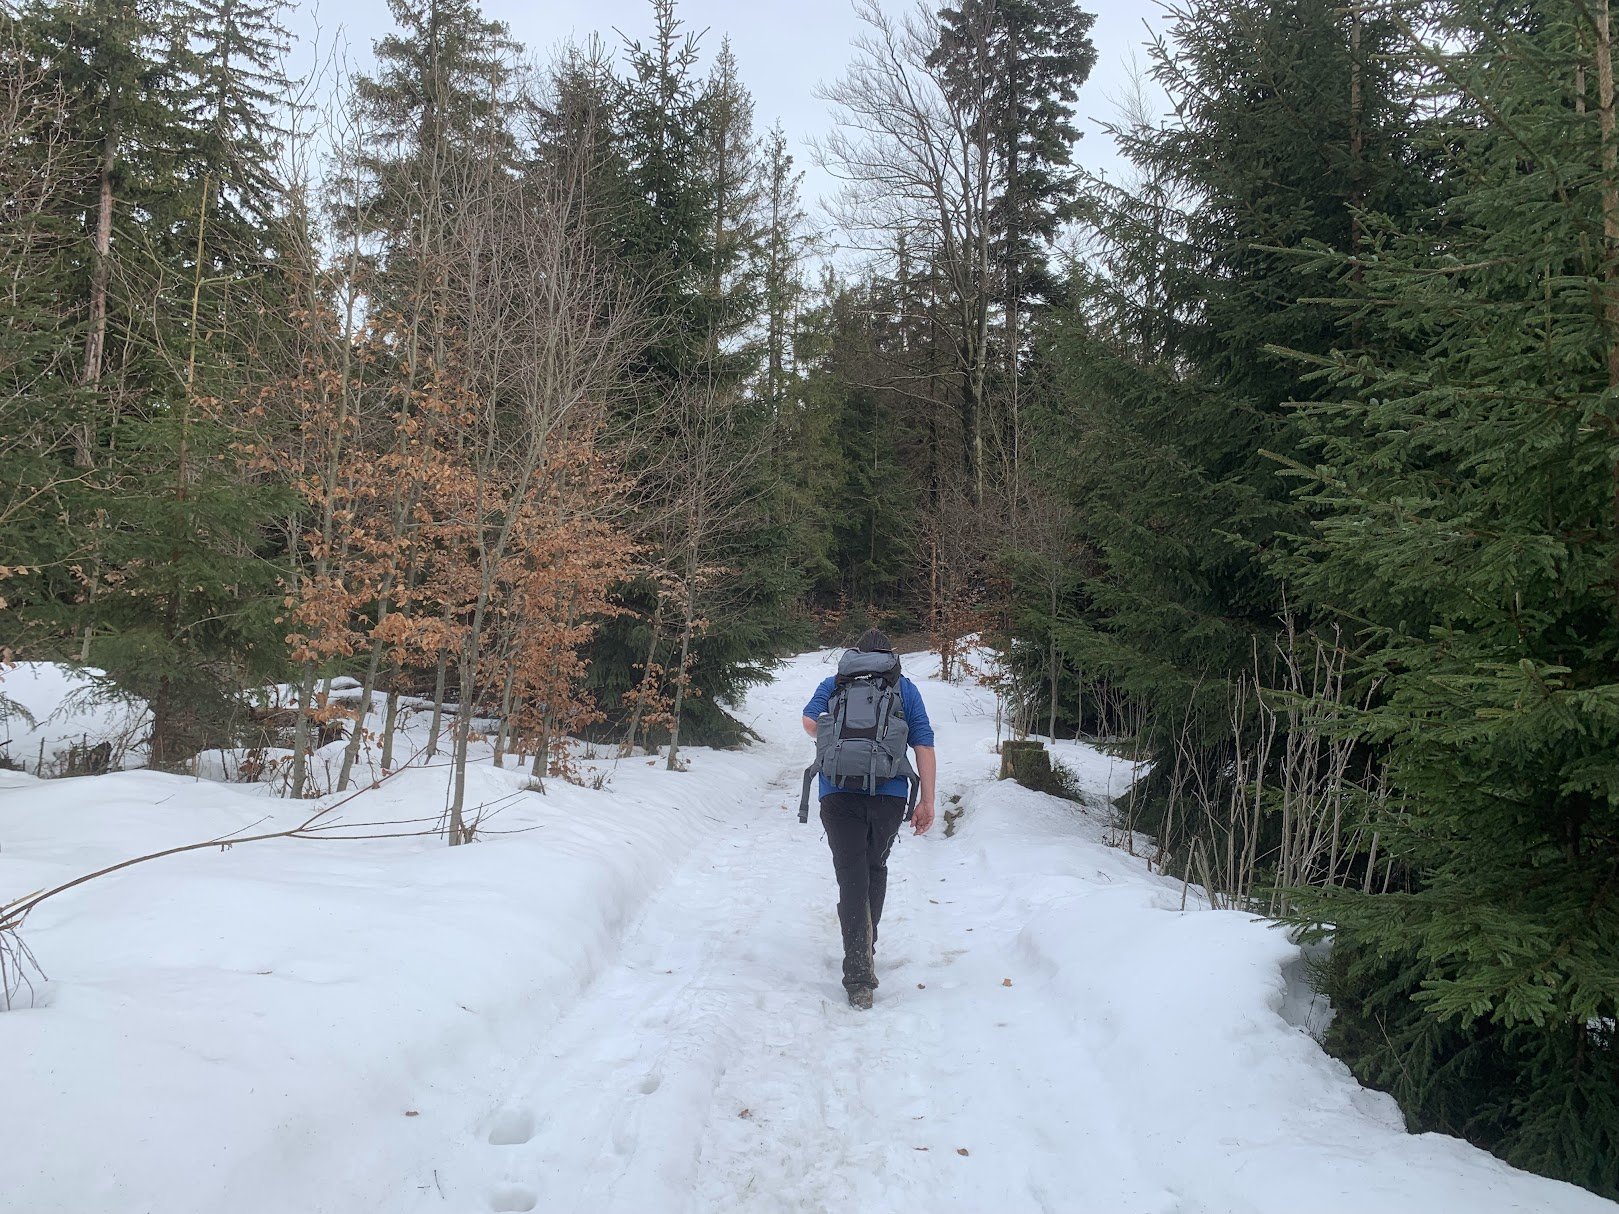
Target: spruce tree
column 1469, row 521
column 42, row 171
column 155, row 555
column 1164, row 388
column 576, row 124
column 1014, row 68
column 1034, row 56
column 665, row 223
column 691, row 232
column 785, row 241
column 437, row 121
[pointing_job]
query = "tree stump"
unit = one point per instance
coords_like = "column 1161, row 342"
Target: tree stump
column 1028, row 763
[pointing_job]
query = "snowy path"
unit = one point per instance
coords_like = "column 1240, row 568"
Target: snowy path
column 718, row 1067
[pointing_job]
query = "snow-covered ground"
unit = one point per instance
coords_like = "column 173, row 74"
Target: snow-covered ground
column 47, row 710
column 633, row 1005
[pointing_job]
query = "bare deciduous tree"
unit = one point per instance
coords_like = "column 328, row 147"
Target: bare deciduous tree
column 919, row 164
column 707, row 480
column 546, row 337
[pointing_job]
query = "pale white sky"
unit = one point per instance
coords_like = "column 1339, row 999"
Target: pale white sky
column 783, row 50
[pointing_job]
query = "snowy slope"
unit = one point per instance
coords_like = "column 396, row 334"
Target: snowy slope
column 635, row 1007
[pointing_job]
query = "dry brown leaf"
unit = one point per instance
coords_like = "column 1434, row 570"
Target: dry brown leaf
column 412, row 1113
column 961, row 1150
column 1006, row 982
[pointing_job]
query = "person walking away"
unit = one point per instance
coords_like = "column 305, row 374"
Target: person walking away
column 862, row 729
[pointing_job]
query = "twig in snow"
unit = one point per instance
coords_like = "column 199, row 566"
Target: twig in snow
column 17, row 967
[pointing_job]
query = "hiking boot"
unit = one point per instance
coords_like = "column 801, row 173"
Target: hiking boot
column 860, row 997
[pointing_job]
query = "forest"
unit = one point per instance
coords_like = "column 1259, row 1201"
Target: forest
column 534, row 395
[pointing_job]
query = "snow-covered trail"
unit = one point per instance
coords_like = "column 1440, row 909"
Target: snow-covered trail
column 718, row 1066
column 1042, row 1039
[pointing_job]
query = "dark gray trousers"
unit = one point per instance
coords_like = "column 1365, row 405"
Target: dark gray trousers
column 860, row 830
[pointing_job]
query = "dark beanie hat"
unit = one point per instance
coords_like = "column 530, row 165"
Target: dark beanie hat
column 874, row 641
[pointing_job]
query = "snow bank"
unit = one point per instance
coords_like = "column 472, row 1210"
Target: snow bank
column 1180, row 1017
column 64, row 708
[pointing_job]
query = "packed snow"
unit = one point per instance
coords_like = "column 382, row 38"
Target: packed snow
column 627, row 999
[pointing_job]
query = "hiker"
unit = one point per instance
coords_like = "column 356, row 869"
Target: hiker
column 870, row 713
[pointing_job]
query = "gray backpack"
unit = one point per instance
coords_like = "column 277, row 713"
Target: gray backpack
column 862, row 736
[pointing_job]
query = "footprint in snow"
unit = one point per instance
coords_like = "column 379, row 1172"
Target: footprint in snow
column 510, row 1197
column 512, row 1128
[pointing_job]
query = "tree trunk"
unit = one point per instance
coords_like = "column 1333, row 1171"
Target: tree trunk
column 438, row 705
column 1056, row 672
column 1610, row 222
column 504, row 731
column 391, row 712
column 462, row 740
column 300, row 732
column 1357, row 195
column 161, row 754
column 95, row 339
column 471, row 651
column 1610, row 188
column 646, row 673
column 681, row 673
column 351, row 752
column 542, row 752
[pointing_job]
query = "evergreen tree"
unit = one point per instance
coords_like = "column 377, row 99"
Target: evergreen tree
column 576, row 124
column 1033, row 57
column 785, row 244
column 232, row 105
column 1465, row 483
column 732, row 174
column 1013, row 69
column 436, row 122
column 791, row 385
column 42, row 172
column 1165, row 387
column 689, row 231
column 154, row 562
column 665, row 224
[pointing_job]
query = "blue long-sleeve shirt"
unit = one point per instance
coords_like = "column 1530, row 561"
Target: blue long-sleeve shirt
column 916, row 718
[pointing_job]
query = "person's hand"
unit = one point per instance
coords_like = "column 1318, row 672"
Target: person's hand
column 922, row 815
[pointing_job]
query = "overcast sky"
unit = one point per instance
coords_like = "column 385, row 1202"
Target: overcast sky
column 784, row 50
